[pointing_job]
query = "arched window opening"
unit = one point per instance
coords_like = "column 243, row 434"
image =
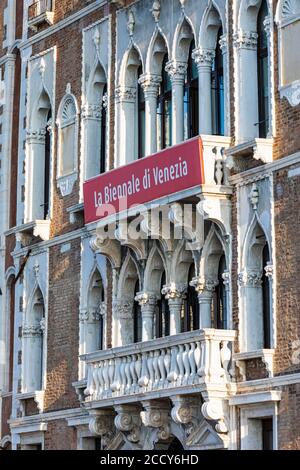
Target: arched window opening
column 219, row 303
column 137, row 317
column 67, row 122
column 217, row 89
column 47, row 168
column 164, row 109
column 266, row 299
column 103, row 130
column 190, row 311
column 141, row 118
column 263, row 72
column 191, row 98
column 163, row 313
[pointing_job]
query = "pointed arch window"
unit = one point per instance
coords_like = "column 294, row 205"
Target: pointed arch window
column 137, row 316
column 164, row 109
column 163, row 313
column 263, row 72
column 191, row 98
column 68, row 135
column 141, row 118
column 217, row 89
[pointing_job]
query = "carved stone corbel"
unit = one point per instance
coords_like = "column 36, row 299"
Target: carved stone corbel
column 213, row 410
column 156, row 415
column 186, row 411
column 107, row 247
column 102, row 424
column 128, row 421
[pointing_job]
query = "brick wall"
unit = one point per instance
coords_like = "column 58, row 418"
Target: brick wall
column 288, row 418
column 60, row 436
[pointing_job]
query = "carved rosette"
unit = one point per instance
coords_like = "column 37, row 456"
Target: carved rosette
column 102, row 424
column 176, row 70
column 203, row 57
column 245, row 40
column 250, row 279
column 128, row 421
column 91, row 111
column 125, row 94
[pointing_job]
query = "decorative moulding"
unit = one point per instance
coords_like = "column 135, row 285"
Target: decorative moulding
column 66, row 183
column 266, row 355
column 291, row 93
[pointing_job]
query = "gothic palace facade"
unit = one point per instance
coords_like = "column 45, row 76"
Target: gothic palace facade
column 158, row 341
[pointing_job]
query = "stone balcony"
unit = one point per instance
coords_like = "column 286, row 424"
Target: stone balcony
column 184, row 379
column 39, row 13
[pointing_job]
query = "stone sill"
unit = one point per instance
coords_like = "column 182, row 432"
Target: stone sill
column 259, row 149
column 26, row 232
column 37, row 396
column 76, row 212
column 45, row 17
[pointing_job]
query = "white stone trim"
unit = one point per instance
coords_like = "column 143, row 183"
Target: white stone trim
column 256, row 397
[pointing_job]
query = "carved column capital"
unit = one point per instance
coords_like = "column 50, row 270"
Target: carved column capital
column 128, row 421
column 146, row 299
column 203, row 284
column 31, row 330
column 102, row 424
column 91, row 111
column 176, row 70
column 174, row 292
column 36, row 136
column 150, row 84
column 203, row 57
column 245, row 40
column 123, row 308
column 125, row 94
column 250, row 279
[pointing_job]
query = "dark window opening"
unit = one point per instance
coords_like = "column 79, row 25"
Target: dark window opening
column 137, row 317
column 267, row 434
column 141, row 119
column 163, row 313
column 217, row 90
column 164, row 109
column 47, row 168
column 266, row 299
column 190, row 313
column 219, row 303
column 103, row 131
column 191, row 98
column 262, row 72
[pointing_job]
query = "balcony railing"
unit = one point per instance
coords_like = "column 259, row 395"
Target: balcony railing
column 40, row 12
column 175, row 364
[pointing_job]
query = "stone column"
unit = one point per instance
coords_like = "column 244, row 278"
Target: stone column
column 175, row 296
column 205, row 288
column 150, row 85
column 123, row 314
column 226, row 281
column 224, row 49
column 126, row 128
column 90, row 320
column 36, row 169
column 177, row 72
column 32, row 356
column 245, row 43
column 204, row 60
column 148, row 303
column 250, row 283
column 91, row 122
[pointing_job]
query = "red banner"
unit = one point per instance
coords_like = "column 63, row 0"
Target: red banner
column 174, row 169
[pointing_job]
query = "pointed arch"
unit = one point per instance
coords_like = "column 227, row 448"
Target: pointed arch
column 183, row 37
column 213, row 249
column 129, row 275
column 154, row 270
column 131, row 62
column 210, row 25
column 158, row 48
column 250, row 244
column 41, row 108
column 182, row 259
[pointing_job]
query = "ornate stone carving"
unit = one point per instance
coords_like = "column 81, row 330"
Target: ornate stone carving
column 173, row 291
column 213, row 410
column 102, row 424
column 150, row 84
column 91, row 111
column 42, row 67
column 66, row 183
column 36, row 136
column 130, row 22
column 107, row 247
column 269, row 270
column 90, row 316
column 123, row 308
column 155, row 10
column 144, row 298
column 254, row 196
column 128, row 421
column 125, row 94
column 224, row 43
column 97, row 39
column 30, row 330
column 250, row 279
column 155, row 415
column 202, row 284
column 245, row 40
column 176, row 70
column 226, row 278
column 203, row 56
column 267, row 25
column 186, row 411
column 291, row 93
